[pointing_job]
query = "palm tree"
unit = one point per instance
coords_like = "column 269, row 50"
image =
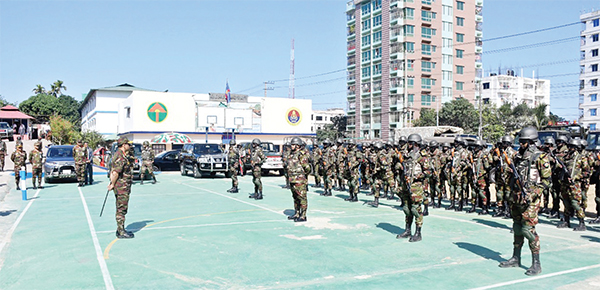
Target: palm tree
column 56, row 88
column 539, row 114
column 39, row 90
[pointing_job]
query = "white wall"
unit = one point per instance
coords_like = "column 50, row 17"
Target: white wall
column 274, row 115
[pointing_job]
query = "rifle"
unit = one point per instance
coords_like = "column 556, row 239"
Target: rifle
column 517, row 177
column 103, row 204
column 564, row 170
column 475, row 173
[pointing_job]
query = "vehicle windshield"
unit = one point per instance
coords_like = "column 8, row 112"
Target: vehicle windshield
column 60, row 152
column 4, row 126
column 207, row 149
column 592, row 140
column 161, row 154
column 268, row 147
column 137, row 149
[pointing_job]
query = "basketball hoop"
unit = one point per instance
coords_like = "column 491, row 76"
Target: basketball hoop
column 239, row 128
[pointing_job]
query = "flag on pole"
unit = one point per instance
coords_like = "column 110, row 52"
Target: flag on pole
column 227, row 94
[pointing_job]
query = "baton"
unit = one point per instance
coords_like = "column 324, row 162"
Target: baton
column 103, row 204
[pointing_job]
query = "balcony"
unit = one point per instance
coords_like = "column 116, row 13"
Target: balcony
column 351, row 78
column 350, row 6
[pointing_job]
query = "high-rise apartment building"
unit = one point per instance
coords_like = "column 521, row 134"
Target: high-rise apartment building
column 515, row 90
column 589, row 105
column 404, row 55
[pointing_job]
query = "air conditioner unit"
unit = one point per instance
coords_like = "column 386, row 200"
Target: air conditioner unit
column 461, row 95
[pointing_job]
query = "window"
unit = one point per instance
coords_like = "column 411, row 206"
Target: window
column 460, row 69
column 409, row 13
column 446, row 26
column 596, row 22
column 410, row 82
column 427, row 32
column 365, row 9
column 366, row 72
column 410, row 65
column 377, row 53
column 459, row 53
column 427, row 15
column 486, row 86
column 427, row 99
column 446, row 59
column 427, row 49
column 377, row 36
column 427, row 66
column 366, row 56
column 409, row 30
column 376, row 4
column 446, row 10
column 592, row 112
column 319, row 118
column 460, row 21
column 594, row 82
column 446, row 42
column 377, row 71
column 595, row 37
column 128, row 112
column 366, row 40
column 411, row 98
column 594, row 52
column 594, row 67
column 460, row 86
column 409, row 46
column 581, row 84
column 593, row 97
column 460, row 5
column 377, row 20
column 366, row 25
column 593, row 126
column 447, row 75
column 426, row 83
column 460, row 37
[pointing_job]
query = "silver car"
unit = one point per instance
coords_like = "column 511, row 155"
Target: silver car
column 60, row 164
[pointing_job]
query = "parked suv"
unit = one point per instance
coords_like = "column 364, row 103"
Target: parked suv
column 6, row 132
column 273, row 162
column 137, row 152
column 203, row 159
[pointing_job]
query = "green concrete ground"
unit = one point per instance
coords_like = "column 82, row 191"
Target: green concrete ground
column 192, row 234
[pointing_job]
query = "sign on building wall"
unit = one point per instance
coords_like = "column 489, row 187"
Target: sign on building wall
column 157, row 112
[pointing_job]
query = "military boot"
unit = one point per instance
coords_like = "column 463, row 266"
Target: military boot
column 451, row 207
column 507, row 214
column 417, row 236
column 406, row 233
column 124, row 234
column 34, row 186
column 499, row 211
column 473, row 209
column 460, row 206
column 439, row 203
column 536, row 267
column 259, row 195
column 597, row 220
column 426, row 210
column 514, row 261
column 17, row 182
column 355, row 199
column 350, row 198
column 581, row 227
column 375, row 203
column 391, row 196
column 296, row 213
column 484, row 210
column 153, row 179
column 566, row 223
column 142, row 181
column 301, row 217
column 234, row 190
column 254, row 194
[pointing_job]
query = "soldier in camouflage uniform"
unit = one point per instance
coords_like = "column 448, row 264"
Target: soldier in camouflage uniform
column 147, row 161
column 595, row 180
column 287, row 151
column 557, row 183
column 233, row 158
column 427, row 180
column 2, row 154
column 525, row 199
column 317, row 159
column 571, row 182
column 36, row 159
column 257, row 158
column 434, row 180
column 120, row 182
column 339, row 164
column 503, row 176
column 328, row 161
column 389, row 185
column 374, row 165
column 587, row 174
column 547, row 182
column 298, row 166
column 458, row 174
column 19, row 157
column 445, row 162
column 367, row 168
column 481, row 165
column 80, row 155
column 383, row 172
column 353, row 158
column 416, row 168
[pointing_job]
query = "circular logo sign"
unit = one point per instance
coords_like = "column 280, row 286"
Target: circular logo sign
column 157, row 112
column 293, row 116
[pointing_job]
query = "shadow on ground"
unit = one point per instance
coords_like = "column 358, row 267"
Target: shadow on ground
column 7, row 212
column 492, row 224
column 481, row 251
column 138, row 226
column 592, row 239
column 392, row 229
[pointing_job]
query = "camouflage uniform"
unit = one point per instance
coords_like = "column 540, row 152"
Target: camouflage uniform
column 147, row 161
column 367, row 178
column 384, row 176
column 557, row 183
column 571, row 188
column 2, row 154
column 298, row 167
column 36, row 159
column 481, row 164
column 353, row 158
column 328, row 169
column 257, row 158
column 586, row 174
column 445, row 162
column 503, row 180
column 434, row 180
column 284, row 157
column 458, row 177
column 375, row 182
column 233, row 157
column 19, row 157
column 80, row 156
column 122, row 165
column 340, row 167
column 317, row 156
column 546, row 180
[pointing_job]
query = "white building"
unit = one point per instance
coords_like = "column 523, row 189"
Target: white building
column 515, row 90
column 142, row 114
column 321, row 118
column 589, row 74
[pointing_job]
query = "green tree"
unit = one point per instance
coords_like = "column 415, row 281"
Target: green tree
column 4, row 102
column 335, row 130
column 63, row 131
column 68, row 107
column 539, row 116
column 56, row 88
column 492, row 128
column 39, row 90
column 460, row 113
column 93, row 138
column 427, row 117
column 40, row 106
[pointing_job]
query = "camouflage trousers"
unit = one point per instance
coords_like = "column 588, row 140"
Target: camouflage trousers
column 80, row 171
column 233, row 172
column 317, row 172
column 328, row 177
column 36, row 173
column 585, row 186
column 122, row 191
column 341, row 169
column 18, row 174
column 547, row 185
column 480, row 191
column 459, row 185
column 502, row 191
column 525, row 218
column 572, row 199
column 384, row 179
column 442, row 185
column 2, row 158
column 300, row 200
column 146, row 167
column 556, row 192
column 353, row 176
column 413, row 200
column 256, row 174
column 434, row 186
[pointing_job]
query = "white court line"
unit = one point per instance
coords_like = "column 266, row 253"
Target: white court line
column 99, row 255
column 513, row 282
column 202, row 225
column 14, row 226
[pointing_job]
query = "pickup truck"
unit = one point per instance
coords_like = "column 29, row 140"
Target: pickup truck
column 274, row 161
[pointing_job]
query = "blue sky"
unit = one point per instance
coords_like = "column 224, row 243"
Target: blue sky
column 196, row 46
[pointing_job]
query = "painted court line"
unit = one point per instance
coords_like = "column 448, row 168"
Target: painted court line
column 204, row 225
column 106, row 275
column 513, row 282
column 14, row 226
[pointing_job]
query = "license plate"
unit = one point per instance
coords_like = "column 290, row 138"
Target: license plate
column 218, row 165
column 66, row 171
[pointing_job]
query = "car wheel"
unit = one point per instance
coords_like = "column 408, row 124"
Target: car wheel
column 155, row 168
column 182, row 168
column 281, row 172
column 197, row 173
column 46, row 180
column 228, row 174
column 213, row 174
column 264, row 172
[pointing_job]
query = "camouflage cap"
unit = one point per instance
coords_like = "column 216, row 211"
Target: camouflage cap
column 123, row 140
column 38, row 144
column 20, row 145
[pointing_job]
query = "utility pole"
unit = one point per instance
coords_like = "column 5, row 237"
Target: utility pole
column 480, row 84
column 292, row 89
column 268, row 88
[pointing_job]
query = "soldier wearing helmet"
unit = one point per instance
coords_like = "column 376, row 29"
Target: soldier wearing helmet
column 526, row 198
column 481, row 164
column 317, row 167
column 147, row 161
column 287, row 151
column 367, row 167
column 234, row 162
column 384, row 177
column 257, row 157
column 298, row 167
column 587, row 173
column 353, row 157
column 328, row 162
column 503, row 176
column 444, row 171
column 572, row 194
column 416, row 168
column 339, row 164
column 560, row 152
column 547, row 148
column 459, row 170
column 434, row 180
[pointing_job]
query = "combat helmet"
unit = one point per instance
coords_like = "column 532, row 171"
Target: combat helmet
column 416, row 138
column 528, row 133
column 296, row 141
column 549, row 141
column 255, row 141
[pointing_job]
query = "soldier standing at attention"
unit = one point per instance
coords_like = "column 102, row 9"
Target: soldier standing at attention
column 120, row 182
column 284, row 157
column 481, row 165
column 317, row 158
column 353, row 166
column 147, row 161
column 340, row 170
column 547, row 182
column 298, row 167
column 80, row 156
column 257, row 158
column 434, row 180
column 571, row 191
column 233, row 157
column 416, row 168
column 503, row 176
column 458, row 174
column 559, row 153
column 19, row 157
column 445, row 162
column 525, row 199
column 379, row 167
column 328, row 164
column 2, row 154
column 36, row 159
